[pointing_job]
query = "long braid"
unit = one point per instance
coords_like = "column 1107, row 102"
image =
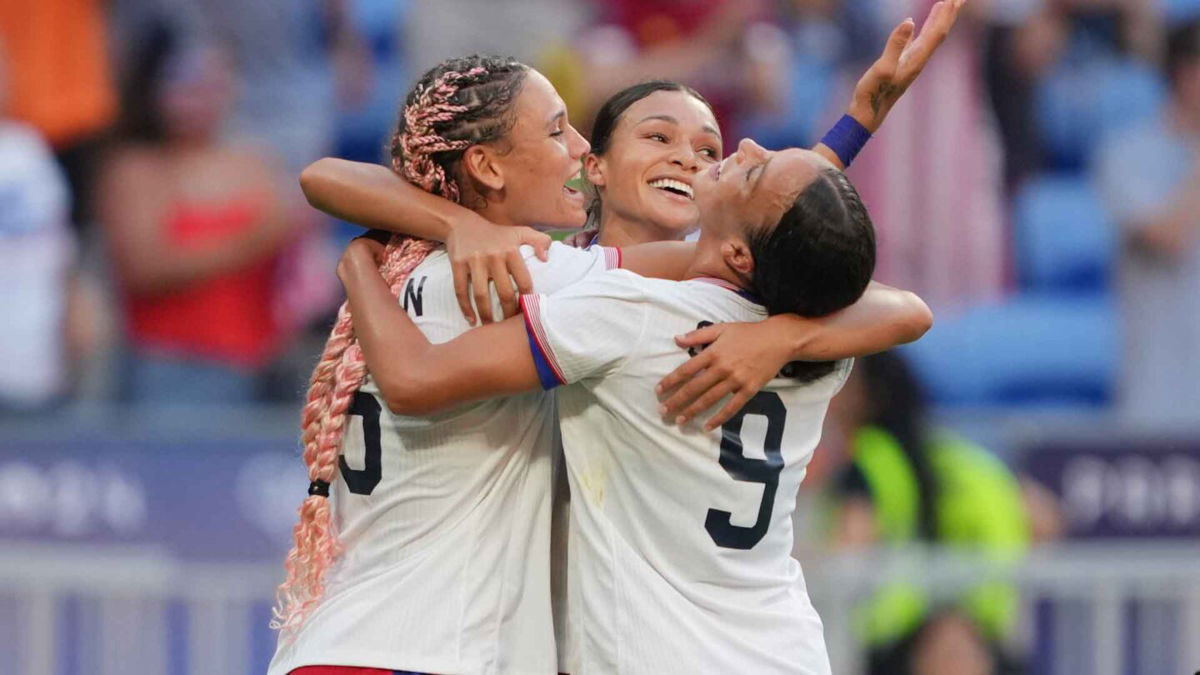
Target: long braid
column 460, row 103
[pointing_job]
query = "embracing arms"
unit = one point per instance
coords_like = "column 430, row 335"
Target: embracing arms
column 415, row 377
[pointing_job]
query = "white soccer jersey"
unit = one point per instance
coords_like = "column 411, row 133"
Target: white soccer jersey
column 445, row 520
column 680, row 544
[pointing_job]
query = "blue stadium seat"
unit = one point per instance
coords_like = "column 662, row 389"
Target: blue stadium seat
column 1064, row 239
column 1087, row 97
column 1178, row 11
column 1031, row 350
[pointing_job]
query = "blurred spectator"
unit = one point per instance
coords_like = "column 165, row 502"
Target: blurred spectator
column 816, row 39
column 36, row 255
column 727, row 49
column 299, row 62
column 1150, row 178
column 60, row 83
column 908, row 483
column 195, row 228
column 931, row 176
column 1021, row 40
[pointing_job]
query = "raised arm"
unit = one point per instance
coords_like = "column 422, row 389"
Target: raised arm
column 375, row 197
column 418, row 378
column 740, row 358
column 897, row 68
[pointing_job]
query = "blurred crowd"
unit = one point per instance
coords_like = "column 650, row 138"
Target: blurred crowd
column 1040, row 180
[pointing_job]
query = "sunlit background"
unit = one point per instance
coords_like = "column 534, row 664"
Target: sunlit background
column 1017, row 492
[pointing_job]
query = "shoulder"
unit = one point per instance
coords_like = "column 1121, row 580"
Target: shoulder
column 615, row 284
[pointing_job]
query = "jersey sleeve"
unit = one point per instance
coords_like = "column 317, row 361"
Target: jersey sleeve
column 566, row 265
column 585, row 331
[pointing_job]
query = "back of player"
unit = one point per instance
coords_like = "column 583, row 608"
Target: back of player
column 445, row 521
column 680, row 552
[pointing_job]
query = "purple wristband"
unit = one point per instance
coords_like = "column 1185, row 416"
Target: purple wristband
column 846, row 139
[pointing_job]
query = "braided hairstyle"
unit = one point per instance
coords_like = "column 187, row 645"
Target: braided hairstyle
column 457, row 104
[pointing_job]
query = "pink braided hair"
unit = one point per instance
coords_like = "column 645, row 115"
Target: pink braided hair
column 420, row 142
column 342, row 369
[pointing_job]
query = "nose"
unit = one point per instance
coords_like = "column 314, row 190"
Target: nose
column 577, row 145
column 686, row 158
column 748, row 150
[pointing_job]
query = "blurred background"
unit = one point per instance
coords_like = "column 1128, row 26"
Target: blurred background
column 1017, row 492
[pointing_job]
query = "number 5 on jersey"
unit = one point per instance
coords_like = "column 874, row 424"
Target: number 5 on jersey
column 363, row 481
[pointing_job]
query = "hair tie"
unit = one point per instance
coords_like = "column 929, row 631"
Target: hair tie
column 319, row 488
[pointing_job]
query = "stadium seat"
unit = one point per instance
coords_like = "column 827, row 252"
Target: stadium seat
column 1178, row 11
column 1087, row 97
column 1031, row 350
column 1064, row 239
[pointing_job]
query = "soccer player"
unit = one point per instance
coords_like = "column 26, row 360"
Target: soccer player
column 424, row 543
column 681, row 539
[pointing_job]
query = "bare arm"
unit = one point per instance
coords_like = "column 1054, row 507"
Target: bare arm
column 480, row 252
column 133, row 207
column 419, row 378
column 743, row 357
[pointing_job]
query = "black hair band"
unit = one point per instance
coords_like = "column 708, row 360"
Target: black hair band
column 319, row 488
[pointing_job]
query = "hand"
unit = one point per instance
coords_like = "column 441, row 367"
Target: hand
column 740, row 359
column 481, row 252
column 902, row 61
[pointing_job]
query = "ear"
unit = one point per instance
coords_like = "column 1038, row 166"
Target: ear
column 736, row 254
column 593, row 169
column 481, row 166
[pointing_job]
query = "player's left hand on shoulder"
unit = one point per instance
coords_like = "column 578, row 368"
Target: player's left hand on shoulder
column 736, row 360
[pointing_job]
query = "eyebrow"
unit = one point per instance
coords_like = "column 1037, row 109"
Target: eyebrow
column 557, row 116
column 667, row 118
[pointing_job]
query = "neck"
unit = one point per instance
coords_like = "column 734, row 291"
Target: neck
column 492, row 210
column 616, row 230
column 709, row 262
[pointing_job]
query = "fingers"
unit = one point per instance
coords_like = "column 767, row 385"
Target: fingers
column 896, row 43
column 540, row 242
column 706, row 401
column 686, row 396
column 504, row 287
column 479, row 288
column 701, row 336
column 934, row 31
column 520, row 273
column 728, row 410
column 683, row 373
column 462, row 289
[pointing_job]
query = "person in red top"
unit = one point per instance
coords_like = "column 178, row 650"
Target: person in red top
column 195, row 230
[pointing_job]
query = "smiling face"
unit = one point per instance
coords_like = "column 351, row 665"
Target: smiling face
column 537, row 157
column 658, row 147
column 754, row 186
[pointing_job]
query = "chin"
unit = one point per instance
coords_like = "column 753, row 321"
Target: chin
column 677, row 226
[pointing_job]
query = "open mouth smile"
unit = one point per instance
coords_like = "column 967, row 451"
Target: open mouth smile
column 673, row 187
